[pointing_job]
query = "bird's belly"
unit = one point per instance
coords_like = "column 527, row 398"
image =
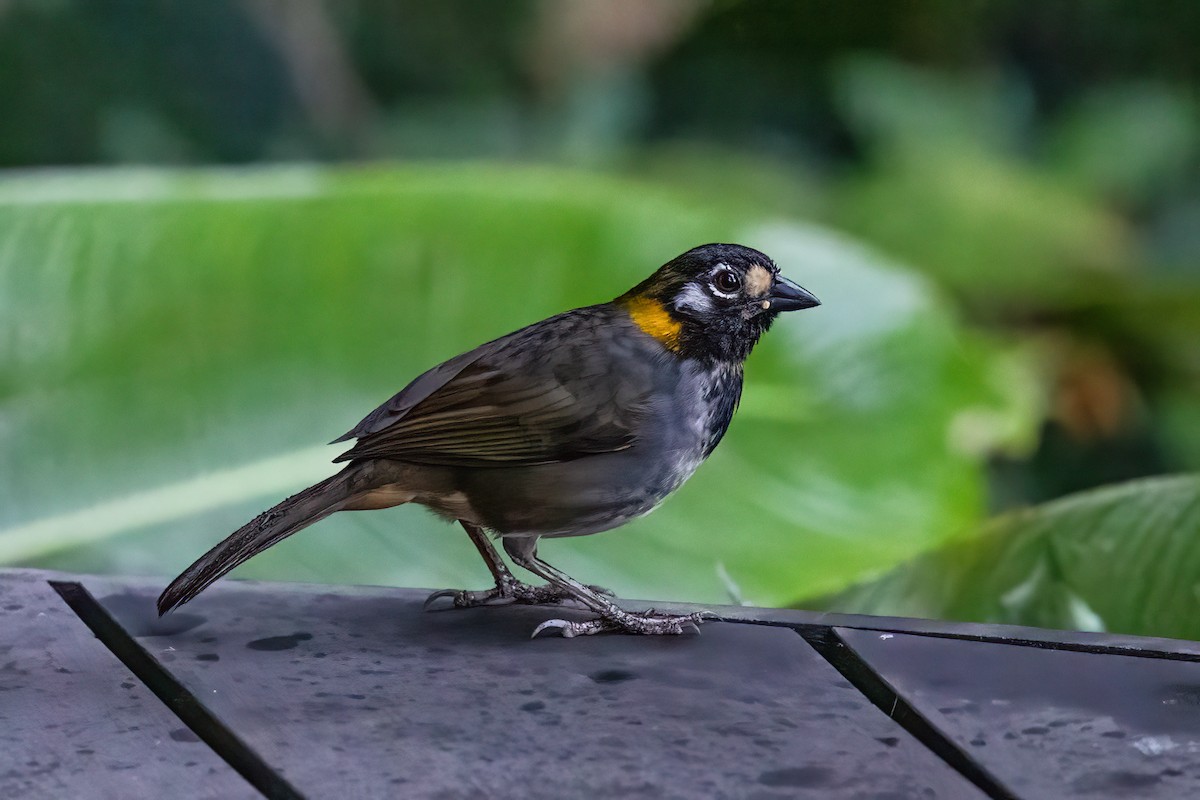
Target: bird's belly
column 601, row 491
column 573, row 498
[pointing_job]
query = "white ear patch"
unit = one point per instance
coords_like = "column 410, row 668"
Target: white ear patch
column 758, row 281
column 694, row 298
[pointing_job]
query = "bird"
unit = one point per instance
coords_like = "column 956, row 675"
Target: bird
column 573, row 425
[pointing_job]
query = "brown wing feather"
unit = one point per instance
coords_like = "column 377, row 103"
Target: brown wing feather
column 507, row 403
column 410, row 396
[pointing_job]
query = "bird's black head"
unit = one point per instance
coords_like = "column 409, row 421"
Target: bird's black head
column 714, row 301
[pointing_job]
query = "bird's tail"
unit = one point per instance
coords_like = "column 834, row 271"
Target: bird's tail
column 298, row 511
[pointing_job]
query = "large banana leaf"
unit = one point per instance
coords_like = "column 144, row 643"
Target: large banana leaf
column 1123, row 559
column 175, row 347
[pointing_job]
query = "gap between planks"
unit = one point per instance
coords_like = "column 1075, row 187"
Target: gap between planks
column 224, row 742
column 826, row 641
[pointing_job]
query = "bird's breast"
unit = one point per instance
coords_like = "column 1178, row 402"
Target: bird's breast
column 708, row 395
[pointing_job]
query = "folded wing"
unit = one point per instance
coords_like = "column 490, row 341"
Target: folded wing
column 540, row 395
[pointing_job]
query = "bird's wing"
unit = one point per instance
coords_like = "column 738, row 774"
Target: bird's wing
column 543, row 394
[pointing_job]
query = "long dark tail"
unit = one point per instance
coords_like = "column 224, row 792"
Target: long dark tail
column 298, row 511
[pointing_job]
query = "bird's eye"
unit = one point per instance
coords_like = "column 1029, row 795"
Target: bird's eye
column 727, row 281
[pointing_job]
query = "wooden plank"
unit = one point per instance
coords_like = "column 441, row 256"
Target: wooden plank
column 1052, row 723
column 75, row 723
column 364, row 694
column 1083, row 641
column 1087, row 641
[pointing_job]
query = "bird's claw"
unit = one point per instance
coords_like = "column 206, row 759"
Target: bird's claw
column 465, row 599
column 506, row 593
column 647, row 623
column 569, row 630
column 438, row 595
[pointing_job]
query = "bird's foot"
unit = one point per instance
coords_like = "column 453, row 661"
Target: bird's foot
column 507, row 593
column 646, row 623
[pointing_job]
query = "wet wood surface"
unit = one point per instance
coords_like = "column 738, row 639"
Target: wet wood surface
column 75, row 722
column 307, row 691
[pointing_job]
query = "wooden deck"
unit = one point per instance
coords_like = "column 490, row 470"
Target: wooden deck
column 306, row 691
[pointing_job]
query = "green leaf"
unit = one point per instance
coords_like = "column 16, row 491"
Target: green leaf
column 946, row 187
column 893, row 105
column 1128, row 142
column 1124, row 559
column 993, row 230
column 175, row 347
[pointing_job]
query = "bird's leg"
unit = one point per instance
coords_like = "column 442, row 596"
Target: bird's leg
column 508, row 588
column 523, row 551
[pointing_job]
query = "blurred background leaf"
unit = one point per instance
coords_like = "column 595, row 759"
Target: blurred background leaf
column 1128, row 142
column 942, row 188
column 179, row 343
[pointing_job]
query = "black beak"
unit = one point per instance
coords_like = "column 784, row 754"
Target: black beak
column 788, row 296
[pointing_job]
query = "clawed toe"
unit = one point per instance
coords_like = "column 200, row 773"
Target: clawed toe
column 504, row 594
column 461, row 598
column 647, row 623
column 438, row 595
column 569, row 630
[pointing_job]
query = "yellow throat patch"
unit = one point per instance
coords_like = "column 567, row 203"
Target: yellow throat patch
column 650, row 315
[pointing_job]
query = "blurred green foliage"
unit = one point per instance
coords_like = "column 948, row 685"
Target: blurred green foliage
column 172, row 343
column 179, row 342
